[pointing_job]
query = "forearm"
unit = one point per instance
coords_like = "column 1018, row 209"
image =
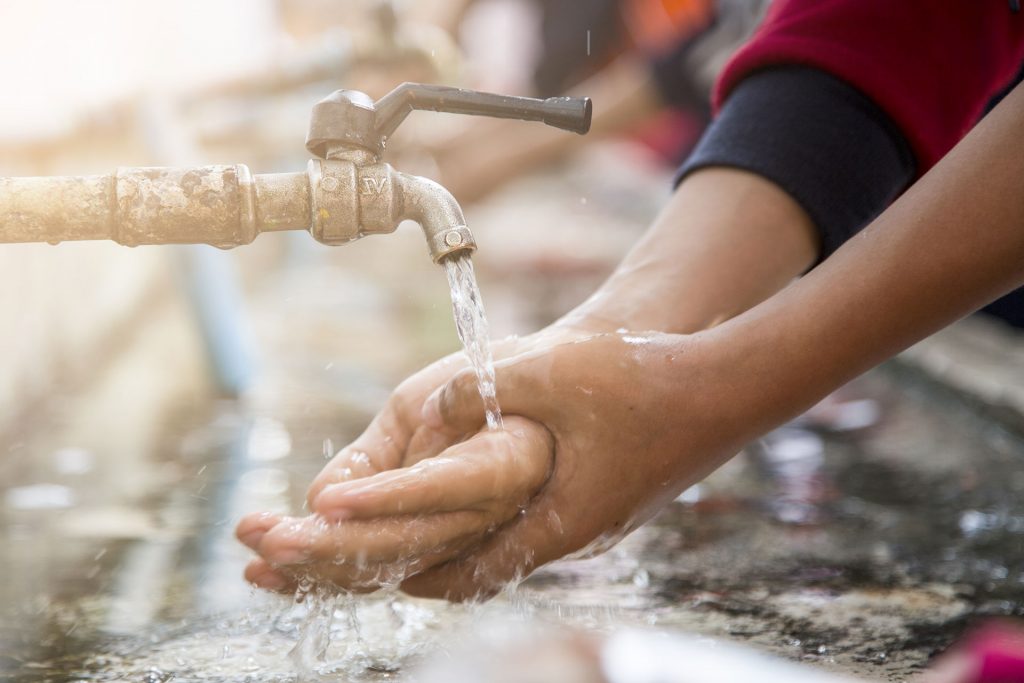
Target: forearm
column 726, row 241
column 952, row 243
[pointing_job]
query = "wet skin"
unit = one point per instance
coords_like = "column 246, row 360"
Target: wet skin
column 631, row 423
column 406, row 521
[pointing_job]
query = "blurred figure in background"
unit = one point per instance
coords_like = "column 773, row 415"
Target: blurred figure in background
column 648, row 65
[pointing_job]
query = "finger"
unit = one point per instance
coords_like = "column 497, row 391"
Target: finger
column 380, row 447
column 253, row 527
column 502, row 560
column 491, row 471
column 261, row 574
column 426, row 442
column 295, row 542
column 430, row 440
column 370, row 576
column 520, row 384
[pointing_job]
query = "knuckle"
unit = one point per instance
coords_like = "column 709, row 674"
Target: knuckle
column 314, row 491
column 448, row 401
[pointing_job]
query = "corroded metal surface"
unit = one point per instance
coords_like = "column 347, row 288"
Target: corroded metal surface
column 207, row 204
column 134, row 206
column 56, row 209
column 336, row 200
column 282, row 201
column 437, row 212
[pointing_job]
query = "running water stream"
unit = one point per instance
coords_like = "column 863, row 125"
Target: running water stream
column 311, row 655
column 468, row 308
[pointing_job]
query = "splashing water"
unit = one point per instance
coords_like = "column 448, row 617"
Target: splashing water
column 310, row 651
column 316, row 655
column 344, row 637
column 471, row 323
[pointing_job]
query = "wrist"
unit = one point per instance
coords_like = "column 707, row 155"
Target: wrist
column 727, row 240
column 650, row 300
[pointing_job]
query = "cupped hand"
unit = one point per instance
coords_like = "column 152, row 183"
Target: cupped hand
column 398, row 451
column 634, row 419
column 489, row 478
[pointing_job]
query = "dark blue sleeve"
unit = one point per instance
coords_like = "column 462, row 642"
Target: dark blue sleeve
column 819, row 139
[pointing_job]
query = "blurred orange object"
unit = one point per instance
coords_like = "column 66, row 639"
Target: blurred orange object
column 659, row 25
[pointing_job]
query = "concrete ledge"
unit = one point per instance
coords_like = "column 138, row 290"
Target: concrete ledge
column 980, row 359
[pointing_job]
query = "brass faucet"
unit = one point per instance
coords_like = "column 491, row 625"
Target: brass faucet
column 347, row 192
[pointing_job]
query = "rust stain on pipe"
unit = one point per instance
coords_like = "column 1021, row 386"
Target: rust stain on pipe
column 56, row 209
column 206, row 204
column 337, row 201
column 209, row 204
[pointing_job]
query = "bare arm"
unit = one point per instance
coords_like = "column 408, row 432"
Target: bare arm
column 681, row 405
column 726, row 241
column 951, row 244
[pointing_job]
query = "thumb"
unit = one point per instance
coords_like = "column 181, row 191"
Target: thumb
column 458, row 407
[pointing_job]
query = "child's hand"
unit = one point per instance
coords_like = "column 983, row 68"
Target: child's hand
column 635, row 420
column 397, row 438
column 629, row 419
column 453, row 500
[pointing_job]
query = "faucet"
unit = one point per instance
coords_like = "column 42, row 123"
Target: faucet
column 346, row 192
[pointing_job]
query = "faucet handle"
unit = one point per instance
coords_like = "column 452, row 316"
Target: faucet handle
column 568, row 113
column 348, row 118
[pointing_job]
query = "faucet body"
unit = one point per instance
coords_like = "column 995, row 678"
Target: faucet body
column 345, row 193
column 336, row 200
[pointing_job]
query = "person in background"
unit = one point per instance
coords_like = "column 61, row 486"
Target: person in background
column 648, row 65
column 698, row 343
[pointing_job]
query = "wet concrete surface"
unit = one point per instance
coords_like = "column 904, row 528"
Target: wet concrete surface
column 865, row 552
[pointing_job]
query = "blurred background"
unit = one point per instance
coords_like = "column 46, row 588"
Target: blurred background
column 96, row 85
column 150, row 396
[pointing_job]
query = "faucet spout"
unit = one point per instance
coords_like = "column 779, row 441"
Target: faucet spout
column 438, row 213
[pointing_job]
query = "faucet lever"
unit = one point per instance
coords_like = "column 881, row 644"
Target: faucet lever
column 568, row 113
column 347, row 119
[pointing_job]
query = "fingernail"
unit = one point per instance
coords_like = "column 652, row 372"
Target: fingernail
column 252, row 539
column 289, row 556
column 326, row 503
column 271, row 582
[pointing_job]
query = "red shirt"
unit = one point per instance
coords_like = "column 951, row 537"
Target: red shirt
column 931, row 65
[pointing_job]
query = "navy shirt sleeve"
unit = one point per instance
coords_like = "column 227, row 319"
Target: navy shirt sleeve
column 819, row 139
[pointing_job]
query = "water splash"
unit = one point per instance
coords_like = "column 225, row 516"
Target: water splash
column 310, row 651
column 345, row 637
column 471, row 323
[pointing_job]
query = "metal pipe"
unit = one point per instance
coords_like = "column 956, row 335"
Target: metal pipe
column 337, row 200
column 282, row 202
column 56, row 209
column 133, row 206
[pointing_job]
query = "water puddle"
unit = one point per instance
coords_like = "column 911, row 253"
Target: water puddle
column 471, row 323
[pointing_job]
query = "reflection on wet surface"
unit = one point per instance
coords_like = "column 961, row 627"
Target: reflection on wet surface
column 864, row 551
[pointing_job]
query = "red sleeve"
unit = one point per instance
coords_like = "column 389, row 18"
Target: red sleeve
column 931, row 65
